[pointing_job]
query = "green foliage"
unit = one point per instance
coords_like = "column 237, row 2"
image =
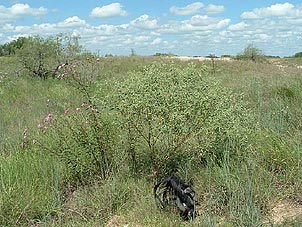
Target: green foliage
column 68, row 47
column 11, row 47
column 175, row 114
column 40, row 57
column 298, row 55
column 251, row 53
column 82, row 139
column 37, row 189
column 226, row 56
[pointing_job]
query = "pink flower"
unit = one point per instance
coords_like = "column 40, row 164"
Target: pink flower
column 48, row 118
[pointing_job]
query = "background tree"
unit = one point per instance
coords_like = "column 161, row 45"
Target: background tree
column 10, row 48
column 41, row 57
column 251, row 53
column 298, row 55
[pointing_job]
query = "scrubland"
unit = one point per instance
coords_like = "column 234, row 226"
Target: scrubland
column 85, row 149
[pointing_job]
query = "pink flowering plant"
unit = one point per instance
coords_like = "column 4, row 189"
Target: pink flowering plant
column 80, row 137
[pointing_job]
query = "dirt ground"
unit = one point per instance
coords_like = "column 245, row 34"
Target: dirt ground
column 285, row 210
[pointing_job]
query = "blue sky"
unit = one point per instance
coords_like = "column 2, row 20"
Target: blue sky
column 168, row 26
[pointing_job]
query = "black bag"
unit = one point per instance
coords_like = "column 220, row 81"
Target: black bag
column 174, row 192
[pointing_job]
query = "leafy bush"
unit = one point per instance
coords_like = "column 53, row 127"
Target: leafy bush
column 173, row 115
column 11, row 47
column 38, row 56
column 83, row 138
column 298, row 55
column 251, row 53
column 41, row 57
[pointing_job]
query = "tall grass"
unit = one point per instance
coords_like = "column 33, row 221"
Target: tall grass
column 26, row 101
column 29, row 189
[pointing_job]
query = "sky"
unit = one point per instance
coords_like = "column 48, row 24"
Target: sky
column 182, row 27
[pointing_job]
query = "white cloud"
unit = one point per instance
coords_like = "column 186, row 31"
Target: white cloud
column 141, row 38
column 18, row 11
column 202, row 23
column 207, row 22
column 214, row 9
column 201, row 20
column 187, row 10
column 145, row 22
column 238, row 26
column 24, row 9
column 111, row 10
column 8, row 27
column 156, row 41
column 263, row 37
column 74, row 21
column 277, row 10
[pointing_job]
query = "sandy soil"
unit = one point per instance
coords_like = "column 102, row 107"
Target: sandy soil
column 188, row 58
column 286, row 210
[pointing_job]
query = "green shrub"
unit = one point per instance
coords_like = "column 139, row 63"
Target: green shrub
column 173, row 115
column 82, row 139
column 298, row 55
column 40, row 57
column 251, row 53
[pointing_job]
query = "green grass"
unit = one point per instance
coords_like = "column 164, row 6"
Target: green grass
column 26, row 101
column 34, row 186
column 29, row 189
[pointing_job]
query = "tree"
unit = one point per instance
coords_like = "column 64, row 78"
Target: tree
column 251, row 53
column 298, row 55
column 10, row 48
column 38, row 56
column 133, row 53
column 68, row 47
column 41, row 56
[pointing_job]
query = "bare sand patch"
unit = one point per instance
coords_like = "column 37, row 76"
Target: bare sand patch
column 189, row 58
column 286, row 210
